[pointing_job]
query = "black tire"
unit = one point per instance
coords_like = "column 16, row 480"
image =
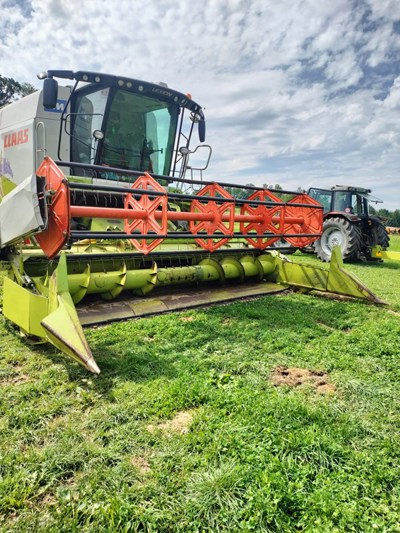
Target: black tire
column 381, row 236
column 339, row 231
column 3, row 254
column 284, row 247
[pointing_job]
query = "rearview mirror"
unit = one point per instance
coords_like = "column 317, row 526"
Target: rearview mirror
column 50, row 93
column 202, row 130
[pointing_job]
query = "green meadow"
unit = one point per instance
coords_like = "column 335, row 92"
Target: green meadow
column 271, row 415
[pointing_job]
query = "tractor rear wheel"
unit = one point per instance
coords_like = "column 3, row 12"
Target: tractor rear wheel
column 381, row 236
column 339, row 231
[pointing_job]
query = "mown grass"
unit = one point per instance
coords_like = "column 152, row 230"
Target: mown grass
column 185, row 431
column 394, row 243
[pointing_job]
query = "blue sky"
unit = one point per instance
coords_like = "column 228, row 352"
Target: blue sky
column 301, row 92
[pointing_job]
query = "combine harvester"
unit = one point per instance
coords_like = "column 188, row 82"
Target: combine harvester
column 99, row 200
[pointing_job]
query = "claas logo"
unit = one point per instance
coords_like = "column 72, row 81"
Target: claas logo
column 16, row 137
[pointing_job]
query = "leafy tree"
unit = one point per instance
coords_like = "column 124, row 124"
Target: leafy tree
column 390, row 218
column 239, row 192
column 394, row 219
column 11, row 89
column 383, row 213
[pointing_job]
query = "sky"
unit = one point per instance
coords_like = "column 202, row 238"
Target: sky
column 303, row 93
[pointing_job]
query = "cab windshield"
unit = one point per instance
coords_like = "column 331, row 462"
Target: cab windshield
column 139, row 132
column 350, row 202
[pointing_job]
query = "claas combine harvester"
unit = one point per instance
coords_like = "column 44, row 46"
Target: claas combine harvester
column 100, row 199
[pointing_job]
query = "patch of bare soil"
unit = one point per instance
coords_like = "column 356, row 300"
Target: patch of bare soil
column 16, row 379
column 179, row 424
column 58, row 421
column 187, row 318
column 48, row 500
column 295, row 377
column 142, row 464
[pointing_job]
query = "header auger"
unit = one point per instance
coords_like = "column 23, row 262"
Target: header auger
column 113, row 215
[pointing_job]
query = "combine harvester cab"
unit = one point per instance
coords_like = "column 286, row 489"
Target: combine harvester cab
column 96, row 202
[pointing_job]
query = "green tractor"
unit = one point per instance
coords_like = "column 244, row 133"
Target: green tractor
column 348, row 223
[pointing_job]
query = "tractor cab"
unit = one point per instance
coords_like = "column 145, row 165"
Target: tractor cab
column 124, row 123
column 351, row 202
column 344, row 199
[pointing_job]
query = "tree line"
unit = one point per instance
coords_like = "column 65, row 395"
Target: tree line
column 11, row 90
column 390, row 218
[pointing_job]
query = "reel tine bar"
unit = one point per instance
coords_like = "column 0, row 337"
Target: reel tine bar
column 212, row 215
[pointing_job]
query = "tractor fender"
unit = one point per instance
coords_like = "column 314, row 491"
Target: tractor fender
column 376, row 219
column 339, row 214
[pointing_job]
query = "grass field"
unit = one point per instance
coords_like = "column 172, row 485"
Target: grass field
column 280, row 414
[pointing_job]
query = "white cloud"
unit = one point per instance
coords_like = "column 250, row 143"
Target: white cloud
column 296, row 92
column 344, row 71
